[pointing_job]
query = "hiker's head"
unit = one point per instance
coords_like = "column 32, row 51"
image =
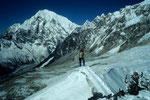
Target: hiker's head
column 81, row 49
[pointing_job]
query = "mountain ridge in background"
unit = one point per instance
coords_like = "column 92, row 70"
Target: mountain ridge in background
column 118, row 31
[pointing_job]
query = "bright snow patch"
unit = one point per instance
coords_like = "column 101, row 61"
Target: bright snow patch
column 123, row 33
column 114, row 50
column 117, row 14
column 46, row 62
column 147, row 2
column 134, row 21
column 144, row 38
column 99, row 49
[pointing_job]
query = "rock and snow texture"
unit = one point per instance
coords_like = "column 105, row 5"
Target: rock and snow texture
column 34, row 40
column 120, row 30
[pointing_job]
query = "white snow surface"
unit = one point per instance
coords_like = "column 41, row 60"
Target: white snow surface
column 114, row 50
column 133, row 21
column 147, row 2
column 99, row 49
column 144, row 38
column 115, row 15
column 102, row 75
column 87, row 25
column 47, row 62
column 75, row 87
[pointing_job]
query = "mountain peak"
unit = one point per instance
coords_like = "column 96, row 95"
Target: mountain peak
column 48, row 19
column 45, row 13
column 87, row 22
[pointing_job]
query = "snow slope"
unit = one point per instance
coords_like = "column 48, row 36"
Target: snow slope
column 104, row 75
column 74, row 87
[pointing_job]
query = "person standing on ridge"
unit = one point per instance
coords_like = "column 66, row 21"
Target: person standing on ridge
column 81, row 57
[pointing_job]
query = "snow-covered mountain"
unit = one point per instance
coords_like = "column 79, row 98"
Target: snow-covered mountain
column 68, row 81
column 33, row 41
column 118, row 31
column 121, row 43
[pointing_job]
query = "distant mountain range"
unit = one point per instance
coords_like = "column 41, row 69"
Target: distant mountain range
column 47, row 35
column 111, row 33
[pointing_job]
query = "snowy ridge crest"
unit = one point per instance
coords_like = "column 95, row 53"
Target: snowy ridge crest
column 87, row 25
column 146, row 2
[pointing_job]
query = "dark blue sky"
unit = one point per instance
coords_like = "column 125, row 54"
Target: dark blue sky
column 78, row 11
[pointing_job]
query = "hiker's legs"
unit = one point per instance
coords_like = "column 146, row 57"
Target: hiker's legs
column 80, row 61
column 83, row 62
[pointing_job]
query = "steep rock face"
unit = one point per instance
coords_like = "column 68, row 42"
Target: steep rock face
column 115, row 32
column 34, row 40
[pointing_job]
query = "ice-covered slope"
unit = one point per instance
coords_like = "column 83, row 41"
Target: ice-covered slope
column 105, row 76
column 34, row 40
